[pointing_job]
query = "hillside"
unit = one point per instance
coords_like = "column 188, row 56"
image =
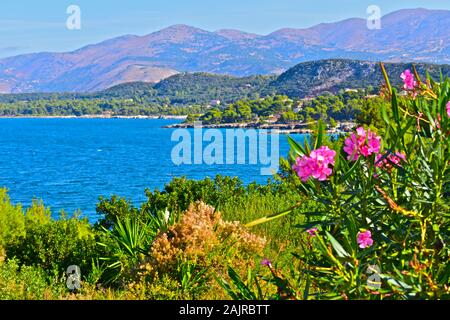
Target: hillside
column 407, row 35
column 303, row 80
column 313, row 78
column 196, row 88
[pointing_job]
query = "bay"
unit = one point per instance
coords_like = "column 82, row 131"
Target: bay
column 69, row 163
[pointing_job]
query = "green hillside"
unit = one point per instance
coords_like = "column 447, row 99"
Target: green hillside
column 192, row 92
column 314, row 78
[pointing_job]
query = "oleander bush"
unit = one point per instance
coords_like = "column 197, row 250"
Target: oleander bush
column 382, row 231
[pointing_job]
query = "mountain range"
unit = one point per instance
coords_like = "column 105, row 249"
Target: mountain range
column 410, row 35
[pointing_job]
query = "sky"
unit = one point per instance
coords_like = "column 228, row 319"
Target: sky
column 33, row 26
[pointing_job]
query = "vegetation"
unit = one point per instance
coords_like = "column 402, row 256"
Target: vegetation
column 365, row 216
column 186, row 93
column 88, row 106
column 311, row 78
column 346, row 106
column 178, row 95
column 382, row 230
column 164, row 249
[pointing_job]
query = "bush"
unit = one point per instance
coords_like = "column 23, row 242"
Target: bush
column 28, row 283
column 200, row 245
column 12, row 221
column 383, row 232
column 56, row 245
column 200, row 232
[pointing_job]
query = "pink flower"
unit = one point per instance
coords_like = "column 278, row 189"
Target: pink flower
column 365, row 239
column 266, row 262
column 390, row 160
column 324, row 154
column 409, row 80
column 315, row 165
column 448, row 108
column 362, row 143
column 312, row 232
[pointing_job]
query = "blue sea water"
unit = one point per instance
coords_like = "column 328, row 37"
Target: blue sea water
column 69, row 163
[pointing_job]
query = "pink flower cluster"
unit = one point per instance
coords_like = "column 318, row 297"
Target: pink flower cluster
column 312, row 232
column 390, row 160
column 362, row 143
column 409, row 80
column 317, row 165
column 364, row 239
column 448, row 108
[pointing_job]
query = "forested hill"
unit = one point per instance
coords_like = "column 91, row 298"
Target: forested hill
column 305, row 79
column 193, row 88
column 185, row 89
column 316, row 77
column 180, row 89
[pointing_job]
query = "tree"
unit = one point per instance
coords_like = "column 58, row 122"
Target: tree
column 288, row 116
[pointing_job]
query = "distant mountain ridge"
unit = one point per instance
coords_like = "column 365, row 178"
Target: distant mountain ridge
column 407, row 35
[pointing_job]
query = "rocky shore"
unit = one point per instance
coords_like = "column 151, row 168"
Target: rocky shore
column 291, row 128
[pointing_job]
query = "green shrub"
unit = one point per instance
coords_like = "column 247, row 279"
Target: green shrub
column 28, row 283
column 12, row 221
column 382, row 229
column 56, row 245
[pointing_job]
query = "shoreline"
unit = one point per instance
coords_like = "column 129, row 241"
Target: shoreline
column 294, row 128
column 155, row 117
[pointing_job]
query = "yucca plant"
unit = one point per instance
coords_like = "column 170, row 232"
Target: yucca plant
column 240, row 289
column 130, row 239
column 129, row 242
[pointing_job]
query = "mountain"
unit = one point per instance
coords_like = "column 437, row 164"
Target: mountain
column 406, row 35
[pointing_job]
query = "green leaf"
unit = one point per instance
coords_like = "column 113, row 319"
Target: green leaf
column 350, row 171
column 395, row 107
column 271, row 217
column 337, row 246
column 296, row 147
column 319, row 138
column 242, row 287
column 385, row 115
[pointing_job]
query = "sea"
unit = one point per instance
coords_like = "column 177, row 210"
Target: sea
column 70, row 163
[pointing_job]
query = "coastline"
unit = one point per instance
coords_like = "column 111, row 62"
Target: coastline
column 93, row 116
column 293, row 128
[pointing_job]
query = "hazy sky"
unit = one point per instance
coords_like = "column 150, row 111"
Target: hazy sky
column 32, row 26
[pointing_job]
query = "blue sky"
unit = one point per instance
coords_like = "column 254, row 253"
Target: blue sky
column 32, row 26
